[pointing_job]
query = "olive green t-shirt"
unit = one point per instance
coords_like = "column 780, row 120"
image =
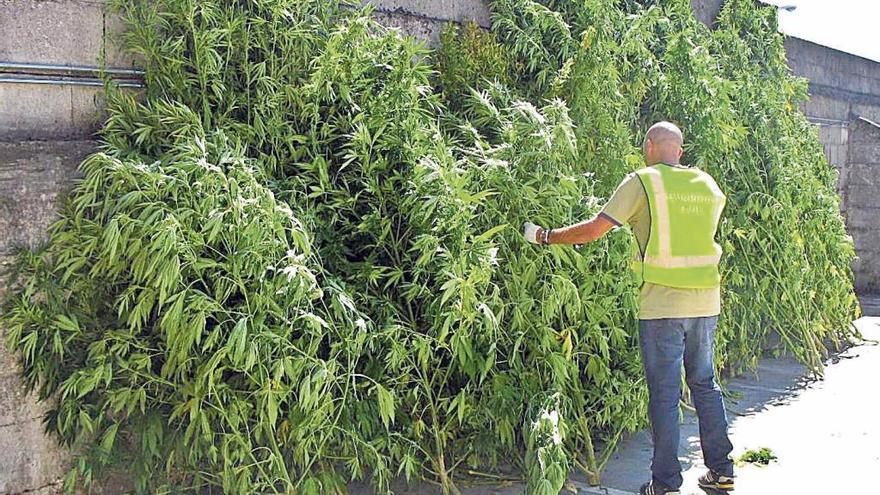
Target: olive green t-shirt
column 629, row 204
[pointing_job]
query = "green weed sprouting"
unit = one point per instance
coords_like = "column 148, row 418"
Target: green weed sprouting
column 296, row 263
column 762, row 457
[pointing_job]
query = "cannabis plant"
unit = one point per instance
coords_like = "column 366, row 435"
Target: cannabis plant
column 295, row 261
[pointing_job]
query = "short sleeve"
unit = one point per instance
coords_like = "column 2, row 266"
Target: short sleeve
column 625, row 201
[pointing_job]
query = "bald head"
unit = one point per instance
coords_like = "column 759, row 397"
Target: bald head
column 663, row 144
column 665, row 132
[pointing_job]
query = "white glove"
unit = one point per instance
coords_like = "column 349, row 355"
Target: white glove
column 530, row 232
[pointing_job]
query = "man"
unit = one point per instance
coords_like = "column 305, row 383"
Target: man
column 674, row 212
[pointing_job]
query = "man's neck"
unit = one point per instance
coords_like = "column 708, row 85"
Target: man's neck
column 671, row 163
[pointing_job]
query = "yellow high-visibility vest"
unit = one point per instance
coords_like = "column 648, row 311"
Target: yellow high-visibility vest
column 685, row 206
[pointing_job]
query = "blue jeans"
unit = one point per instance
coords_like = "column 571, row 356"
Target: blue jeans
column 665, row 343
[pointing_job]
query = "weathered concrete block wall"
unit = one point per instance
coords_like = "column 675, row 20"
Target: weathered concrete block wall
column 45, row 132
column 843, row 87
column 836, row 75
column 73, row 32
column 34, row 176
column 844, row 99
column 424, row 19
column 862, row 201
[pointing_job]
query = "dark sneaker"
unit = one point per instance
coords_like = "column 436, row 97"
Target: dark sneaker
column 715, row 481
column 651, row 488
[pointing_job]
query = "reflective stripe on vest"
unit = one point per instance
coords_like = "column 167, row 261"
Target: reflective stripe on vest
column 699, row 203
column 665, row 258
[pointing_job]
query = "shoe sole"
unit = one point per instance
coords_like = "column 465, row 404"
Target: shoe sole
column 670, row 493
column 714, row 490
column 724, row 488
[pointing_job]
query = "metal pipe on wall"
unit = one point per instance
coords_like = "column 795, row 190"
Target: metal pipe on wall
column 24, row 67
column 67, row 82
column 68, row 75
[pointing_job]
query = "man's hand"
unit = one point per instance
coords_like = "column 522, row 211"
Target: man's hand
column 530, row 232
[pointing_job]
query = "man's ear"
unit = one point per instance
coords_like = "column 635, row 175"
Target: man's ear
column 680, row 152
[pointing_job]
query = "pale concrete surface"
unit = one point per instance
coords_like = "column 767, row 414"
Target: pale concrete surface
column 30, row 460
column 707, row 10
column 34, row 176
column 74, row 32
column 46, row 111
column 67, row 32
column 441, row 10
column 421, row 28
column 826, row 435
column 52, row 32
column 425, row 19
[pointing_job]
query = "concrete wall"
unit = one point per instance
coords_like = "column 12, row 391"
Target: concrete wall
column 843, row 87
column 45, row 132
column 836, row 75
column 706, row 11
column 72, row 32
column 862, row 201
column 844, row 97
column 424, row 19
column 33, row 177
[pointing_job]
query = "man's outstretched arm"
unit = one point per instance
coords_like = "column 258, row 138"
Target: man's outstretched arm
column 579, row 233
